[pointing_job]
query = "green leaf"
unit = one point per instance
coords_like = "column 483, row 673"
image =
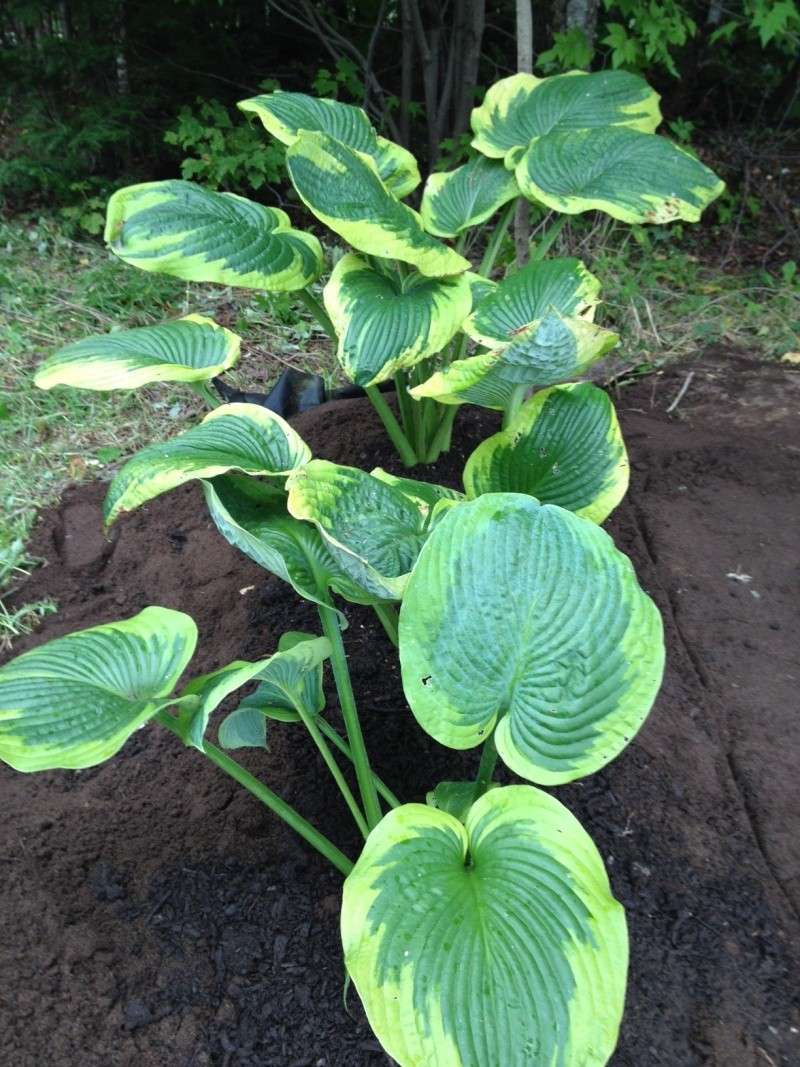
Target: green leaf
column 343, row 189
column 288, row 678
column 244, row 727
column 457, row 199
column 480, row 287
column 518, row 109
column 179, row 228
column 294, row 677
column 524, row 616
column 75, row 701
column 492, row 944
column 294, row 551
column 372, row 530
column 243, row 437
column 552, row 350
column 286, row 115
column 564, row 447
column 562, row 285
column 424, row 495
column 456, row 798
column 191, row 349
column 629, row 175
column 386, row 323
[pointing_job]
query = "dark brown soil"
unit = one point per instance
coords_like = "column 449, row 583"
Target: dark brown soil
column 152, row 913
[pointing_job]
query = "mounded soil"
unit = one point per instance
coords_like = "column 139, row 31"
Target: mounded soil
column 153, row 913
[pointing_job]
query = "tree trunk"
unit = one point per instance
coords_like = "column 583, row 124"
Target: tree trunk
column 582, row 14
column 522, row 226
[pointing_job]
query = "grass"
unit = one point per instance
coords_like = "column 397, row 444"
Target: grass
column 663, row 298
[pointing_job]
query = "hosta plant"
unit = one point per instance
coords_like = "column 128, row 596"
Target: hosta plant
column 478, row 926
column 403, row 303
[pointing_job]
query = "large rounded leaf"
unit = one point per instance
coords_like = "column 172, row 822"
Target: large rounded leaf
column 525, row 616
column 564, row 447
column 631, row 176
column 179, row 228
column 518, row 109
column 343, row 189
column 191, row 349
column 494, row 944
column 243, row 437
column 285, row 115
column 74, row 702
column 257, row 523
column 371, row 528
column 563, row 285
column 386, row 323
column 457, row 199
column 477, row 379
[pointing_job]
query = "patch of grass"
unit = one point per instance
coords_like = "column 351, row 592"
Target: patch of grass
column 55, row 290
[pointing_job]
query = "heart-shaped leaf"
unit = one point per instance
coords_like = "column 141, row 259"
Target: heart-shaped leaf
column 494, row 944
column 386, row 323
column 258, row 524
column 457, row 199
column 518, row 109
column 285, row 115
column 456, row 798
column 244, row 727
column 477, row 380
column 288, row 678
column 343, row 189
column 524, row 616
column 424, row 495
column 179, row 228
column 243, row 437
column 564, row 447
column 562, row 285
column 631, row 176
column 75, row 701
column 372, row 530
column 191, row 349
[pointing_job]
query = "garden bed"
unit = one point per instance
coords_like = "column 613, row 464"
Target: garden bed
column 153, row 913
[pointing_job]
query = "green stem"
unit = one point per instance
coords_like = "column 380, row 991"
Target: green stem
column 486, row 767
column 343, row 747
column 493, row 247
column 205, row 392
column 515, row 402
column 404, row 401
column 392, row 426
column 347, row 702
column 441, row 439
column 387, row 613
column 305, row 296
column 550, row 234
column 310, row 724
column 271, row 800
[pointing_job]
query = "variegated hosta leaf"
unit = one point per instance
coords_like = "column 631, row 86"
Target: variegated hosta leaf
column 563, row 285
column 547, row 352
column 343, row 189
column 242, row 437
column 518, row 109
column 524, row 616
column 456, row 798
column 477, row 380
column 75, row 701
column 492, row 944
column 479, row 287
column 191, row 349
column 386, row 323
column 424, row 495
column 288, row 678
column 372, row 530
column 258, row 524
column 631, row 176
column 457, row 199
column 564, row 447
column 285, row 115
column 179, row 228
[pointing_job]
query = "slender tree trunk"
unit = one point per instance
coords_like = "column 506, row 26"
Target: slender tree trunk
column 473, row 23
column 406, row 71
column 522, row 227
column 582, row 14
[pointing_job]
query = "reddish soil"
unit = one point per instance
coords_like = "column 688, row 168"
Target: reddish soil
column 153, row 913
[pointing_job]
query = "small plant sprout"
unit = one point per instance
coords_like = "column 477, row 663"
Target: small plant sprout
column 403, row 303
column 479, row 928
